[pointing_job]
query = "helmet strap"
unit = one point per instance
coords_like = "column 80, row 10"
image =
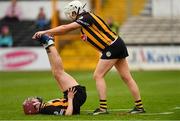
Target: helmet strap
column 79, row 10
column 77, row 13
column 84, row 5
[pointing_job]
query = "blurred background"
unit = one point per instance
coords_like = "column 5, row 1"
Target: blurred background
column 150, row 28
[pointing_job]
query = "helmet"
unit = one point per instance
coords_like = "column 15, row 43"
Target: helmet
column 74, row 6
column 29, row 105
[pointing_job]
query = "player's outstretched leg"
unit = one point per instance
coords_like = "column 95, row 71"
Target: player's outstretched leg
column 64, row 80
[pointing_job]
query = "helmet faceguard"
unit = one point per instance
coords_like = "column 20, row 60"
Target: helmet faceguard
column 32, row 105
column 74, row 7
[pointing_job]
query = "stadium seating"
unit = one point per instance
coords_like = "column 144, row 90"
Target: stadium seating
column 120, row 9
column 22, row 32
column 149, row 30
column 79, row 55
column 147, row 11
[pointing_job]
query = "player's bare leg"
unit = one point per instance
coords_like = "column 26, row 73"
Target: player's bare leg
column 123, row 69
column 65, row 81
column 102, row 68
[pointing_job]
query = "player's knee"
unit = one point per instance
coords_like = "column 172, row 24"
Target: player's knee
column 97, row 76
column 57, row 73
column 126, row 78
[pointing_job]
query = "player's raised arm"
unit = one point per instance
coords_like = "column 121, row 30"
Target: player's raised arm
column 63, row 29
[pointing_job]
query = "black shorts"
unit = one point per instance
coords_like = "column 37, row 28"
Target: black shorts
column 79, row 98
column 116, row 50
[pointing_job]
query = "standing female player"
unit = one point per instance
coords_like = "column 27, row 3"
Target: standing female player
column 114, row 52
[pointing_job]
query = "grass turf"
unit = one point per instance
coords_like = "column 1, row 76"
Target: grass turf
column 160, row 92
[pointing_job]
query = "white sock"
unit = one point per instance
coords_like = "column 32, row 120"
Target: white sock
column 50, row 42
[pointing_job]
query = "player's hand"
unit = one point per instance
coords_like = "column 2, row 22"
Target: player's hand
column 38, row 34
column 71, row 93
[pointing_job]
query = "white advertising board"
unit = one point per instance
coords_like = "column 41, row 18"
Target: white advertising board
column 154, row 57
column 16, row 59
column 140, row 58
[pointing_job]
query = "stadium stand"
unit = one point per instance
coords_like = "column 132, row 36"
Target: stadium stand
column 120, row 10
column 22, row 32
column 141, row 29
column 147, row 11
column 149, row 30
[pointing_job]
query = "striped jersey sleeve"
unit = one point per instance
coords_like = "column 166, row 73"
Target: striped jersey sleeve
column 95, row 31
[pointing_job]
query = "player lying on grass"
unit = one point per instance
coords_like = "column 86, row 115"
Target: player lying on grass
column 114, row 51
column 74, row 94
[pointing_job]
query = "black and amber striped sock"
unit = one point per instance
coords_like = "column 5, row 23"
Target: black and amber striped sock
column 103, row 104
column 139, row 104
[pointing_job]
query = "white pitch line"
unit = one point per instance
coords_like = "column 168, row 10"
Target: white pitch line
column 112, row 110
column 176, row 108
column 162, row 113
column 116, row 110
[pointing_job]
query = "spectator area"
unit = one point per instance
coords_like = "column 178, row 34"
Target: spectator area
column 149, row 30
column 136, row 30
column 22, row 32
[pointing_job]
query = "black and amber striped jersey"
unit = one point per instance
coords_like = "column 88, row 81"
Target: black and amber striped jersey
column 95, row 31
column 54, row 107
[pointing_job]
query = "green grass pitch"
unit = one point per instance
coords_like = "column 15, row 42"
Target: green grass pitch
column 160, row 92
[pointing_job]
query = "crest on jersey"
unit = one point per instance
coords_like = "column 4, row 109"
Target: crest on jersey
column 108, row 54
